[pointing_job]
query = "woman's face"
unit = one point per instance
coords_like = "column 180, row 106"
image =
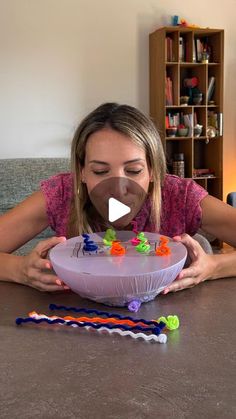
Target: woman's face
column 115, row 167
column 112, row 154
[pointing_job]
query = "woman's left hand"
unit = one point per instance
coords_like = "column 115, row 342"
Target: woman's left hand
column 202, row 265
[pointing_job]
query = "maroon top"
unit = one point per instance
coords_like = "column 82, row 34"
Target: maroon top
column 181, row 210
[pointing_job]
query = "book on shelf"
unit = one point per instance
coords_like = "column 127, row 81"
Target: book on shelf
column 199, row 50
column 194, row 53
column 179, row 118
column 203, row 172
column 220, row 123
column 211, row 87
column 169, row 91
column 181, row 49
column 188, row 122
column 172, row 119
column 169, row 49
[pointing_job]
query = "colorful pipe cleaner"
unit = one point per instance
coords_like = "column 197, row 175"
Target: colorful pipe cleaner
column 37, row 319
column 105, row 314
column 117, row 249
column 171, row 322
column 110, row 322
column 163, row 249
column 89, row 245
column 155, row 330
column 109, row 237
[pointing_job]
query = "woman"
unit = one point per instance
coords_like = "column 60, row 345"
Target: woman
column 115, row 147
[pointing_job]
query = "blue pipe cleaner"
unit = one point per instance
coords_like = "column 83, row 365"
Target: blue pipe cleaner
column 89, row 245
column 20, row 320
column 160, row 324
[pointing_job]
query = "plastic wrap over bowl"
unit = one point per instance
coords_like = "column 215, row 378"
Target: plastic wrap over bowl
column 117, row 280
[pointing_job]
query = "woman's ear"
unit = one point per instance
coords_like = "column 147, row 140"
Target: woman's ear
column 82, row 174
column 151, row 175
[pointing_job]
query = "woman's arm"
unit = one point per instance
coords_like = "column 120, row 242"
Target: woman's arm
column 18, row 226
column 219, row 219
column 203, row 266
column 22, row 223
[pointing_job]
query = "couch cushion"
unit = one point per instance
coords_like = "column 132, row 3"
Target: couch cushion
column 21, row 177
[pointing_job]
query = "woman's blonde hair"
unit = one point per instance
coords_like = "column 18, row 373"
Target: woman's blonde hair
column 131, row 122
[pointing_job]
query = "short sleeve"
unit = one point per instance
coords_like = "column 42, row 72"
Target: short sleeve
column 181, row 209
column 194, row 195
column 58, row 192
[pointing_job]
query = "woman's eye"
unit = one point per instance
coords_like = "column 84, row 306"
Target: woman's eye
column 100, row 172
column 134, row 172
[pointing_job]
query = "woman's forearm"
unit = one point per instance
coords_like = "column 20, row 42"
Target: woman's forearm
column 10, row 267
column 225, row 265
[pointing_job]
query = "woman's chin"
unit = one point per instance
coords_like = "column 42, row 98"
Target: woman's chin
column 122, row 224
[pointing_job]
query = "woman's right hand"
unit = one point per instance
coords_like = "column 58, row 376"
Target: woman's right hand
column 35, row 268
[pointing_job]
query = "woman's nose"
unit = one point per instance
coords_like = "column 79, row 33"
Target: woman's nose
column 119, row 187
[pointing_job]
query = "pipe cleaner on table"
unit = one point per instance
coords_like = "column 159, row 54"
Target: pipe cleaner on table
column 149, row 330
column 109, row 322
column 121, row 329
column 171, row 322
column 104, row 314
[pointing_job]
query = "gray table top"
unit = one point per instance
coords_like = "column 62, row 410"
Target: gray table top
column 62, row 372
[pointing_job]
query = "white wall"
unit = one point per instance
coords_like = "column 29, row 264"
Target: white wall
column 61, row 58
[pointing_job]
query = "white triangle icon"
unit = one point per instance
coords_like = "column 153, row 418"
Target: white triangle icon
column 116, row 209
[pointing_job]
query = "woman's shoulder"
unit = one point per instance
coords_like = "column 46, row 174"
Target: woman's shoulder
column 173, row 181
column 61, row 183
column 174, row 185
column 181, row 210
column 59, row 178
column 58, row 192
column 59, row 186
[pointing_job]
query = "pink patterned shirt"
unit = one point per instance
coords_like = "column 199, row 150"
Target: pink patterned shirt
column 181, row 210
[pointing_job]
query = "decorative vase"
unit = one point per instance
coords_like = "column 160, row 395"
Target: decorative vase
column 171, row 131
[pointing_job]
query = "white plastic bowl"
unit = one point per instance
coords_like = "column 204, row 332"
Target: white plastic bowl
column 117, row 280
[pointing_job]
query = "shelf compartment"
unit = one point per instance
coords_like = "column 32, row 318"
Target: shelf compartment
column 189, row 72
column 208, row 155
column 176, row 146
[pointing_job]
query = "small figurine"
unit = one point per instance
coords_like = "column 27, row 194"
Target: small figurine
column 109, row 237
column 134, row 305
column 163, row 249
column 190, row 86
column 177, row 21
column 143, row 246
column 117, row 249
column 89, row 245
column 135, row 240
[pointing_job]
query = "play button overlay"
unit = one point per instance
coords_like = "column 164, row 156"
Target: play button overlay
column 116, row 209
column 115, row 203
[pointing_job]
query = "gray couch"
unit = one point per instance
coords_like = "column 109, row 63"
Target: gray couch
column 20, row 177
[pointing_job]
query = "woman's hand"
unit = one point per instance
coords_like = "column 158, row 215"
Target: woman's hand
column 202, row 266
column 35, row 268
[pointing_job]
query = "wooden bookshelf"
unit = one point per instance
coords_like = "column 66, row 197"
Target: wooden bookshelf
column 179, row 56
